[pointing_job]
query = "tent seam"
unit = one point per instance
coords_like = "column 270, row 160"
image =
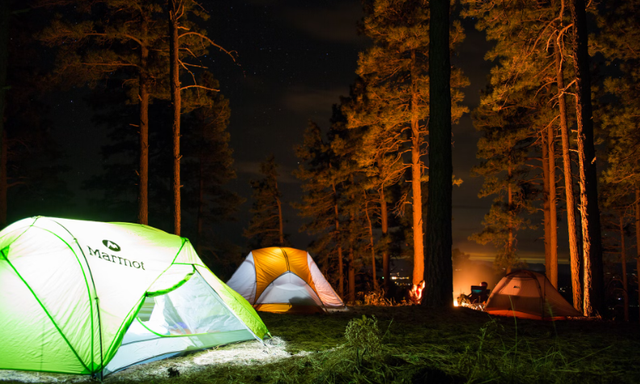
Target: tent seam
column 47, row 313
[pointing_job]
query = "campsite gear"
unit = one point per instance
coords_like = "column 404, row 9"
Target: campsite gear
column 86, row 297
column 284, row 280
column 529, row 295
column 479, row 293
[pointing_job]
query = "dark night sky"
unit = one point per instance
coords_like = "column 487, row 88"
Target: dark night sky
column 295, row 59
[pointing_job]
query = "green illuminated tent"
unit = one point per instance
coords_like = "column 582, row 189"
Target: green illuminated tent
column 87, row 297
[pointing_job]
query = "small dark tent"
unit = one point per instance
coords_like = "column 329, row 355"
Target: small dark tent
column 530, row 295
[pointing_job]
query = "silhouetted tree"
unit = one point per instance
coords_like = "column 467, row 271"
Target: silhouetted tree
column 322, row 186
column 112, row 39
column 266, row 227
column 208, row 168
column 438, row 268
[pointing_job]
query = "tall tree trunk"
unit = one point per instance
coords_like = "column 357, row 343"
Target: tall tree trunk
column 352, row 259
column 384, row 221
column 371, row 244
column 439, row 270
column 552, row 267
column 546, row 204
column 623, row 260
column 5, row 11
column 336, row 213
column 143, row 188
column 574, row 256
column 351, row 293
column 416, row 175
column 593, row 298
column 510, row 237
column 174, row 73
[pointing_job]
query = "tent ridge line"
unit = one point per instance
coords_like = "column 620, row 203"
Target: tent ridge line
column 96, row 299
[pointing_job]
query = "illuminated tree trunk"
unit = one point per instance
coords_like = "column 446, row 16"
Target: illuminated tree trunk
column 174, row 14
column 384, row 221
column 439, row 270
column 371, row 245
column 337, row 224
column 552, row 267
column 574, row 256
column 593, row 297
column 623, row 260
column 143, row 188
column 510, row 239
column 416, row 175
column 546, row 204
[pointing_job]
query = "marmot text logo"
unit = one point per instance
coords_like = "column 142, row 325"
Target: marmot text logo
column 111, row 245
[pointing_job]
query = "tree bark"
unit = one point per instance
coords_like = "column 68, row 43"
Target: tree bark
column 574, row 256
column 416, row 175
column 438, row 290
column 546, row 204
column 174, row 73
column 384, row 223
column 143, row 187
column 593, row 298
column 372, row 246
column 339, row 241
column 623, row 260
column 552, row 268
column 510, row 238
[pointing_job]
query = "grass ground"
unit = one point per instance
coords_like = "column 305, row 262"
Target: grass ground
column 411, row 344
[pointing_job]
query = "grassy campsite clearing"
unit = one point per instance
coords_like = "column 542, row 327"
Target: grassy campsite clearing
column 406, row 344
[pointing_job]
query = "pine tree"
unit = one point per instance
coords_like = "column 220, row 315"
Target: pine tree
column 619, row 42
column 208, row 168
column 322, row 186
column 530, row 45
column 113, row 39
column 395, row 71
column 186, row 41
column 266, row 227
column 504, row 148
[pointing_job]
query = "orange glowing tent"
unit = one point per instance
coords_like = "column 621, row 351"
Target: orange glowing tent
column 283, row 279
column 529, row 295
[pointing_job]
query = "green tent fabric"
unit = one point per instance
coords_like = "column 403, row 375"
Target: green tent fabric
column 87, row 297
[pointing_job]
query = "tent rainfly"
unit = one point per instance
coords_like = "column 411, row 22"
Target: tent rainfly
column 85, row 297
column 529, row 295
column 284, row 280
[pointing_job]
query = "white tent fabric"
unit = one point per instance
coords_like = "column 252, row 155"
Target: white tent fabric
column 283, row 280
column 89, row 297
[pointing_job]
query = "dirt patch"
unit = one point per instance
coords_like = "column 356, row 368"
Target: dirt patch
column 246, row 353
